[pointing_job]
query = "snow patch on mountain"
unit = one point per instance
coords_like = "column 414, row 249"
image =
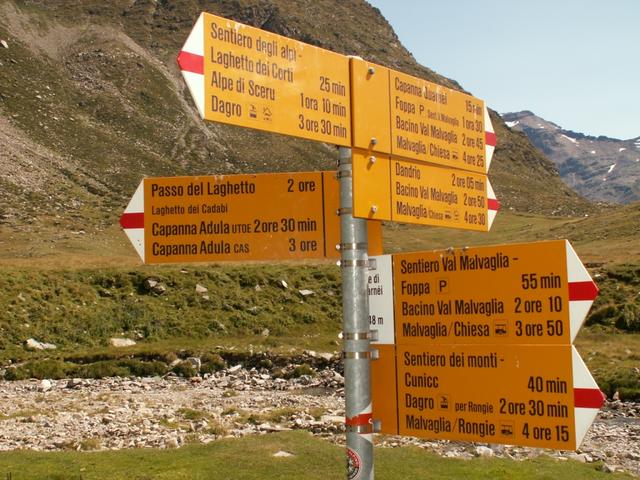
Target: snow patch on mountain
column 569, row 138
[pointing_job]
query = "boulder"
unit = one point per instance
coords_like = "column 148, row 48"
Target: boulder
column 121, row 342
column 45, row 386
column 33, row 344
column 484, row 452
column 154, row 286
column 282, row 454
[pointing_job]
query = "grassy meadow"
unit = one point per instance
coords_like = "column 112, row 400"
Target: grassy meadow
column 312, row 459
column 88, row 288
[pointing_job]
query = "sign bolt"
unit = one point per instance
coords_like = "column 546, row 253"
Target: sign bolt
column 372, row 159
column 371, row 71
column 374, row 141
column 374, row 208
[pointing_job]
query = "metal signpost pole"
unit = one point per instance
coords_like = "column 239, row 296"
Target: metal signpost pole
column 356, row 337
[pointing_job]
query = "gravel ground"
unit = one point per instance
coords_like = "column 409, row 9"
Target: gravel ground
column 116, row 413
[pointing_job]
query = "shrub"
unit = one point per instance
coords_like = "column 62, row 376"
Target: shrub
column 265, row 363
column 280, row 414
column 191, row 414
column 301, row 370
column 212, row 362
column 108, row 368
column 185, row 369
column 629, row 318
column 603, row 315
column 624, row 381
column 12, row 373
column 145, row 369
column 40, row 369
column 216, row 428
column 629, row 394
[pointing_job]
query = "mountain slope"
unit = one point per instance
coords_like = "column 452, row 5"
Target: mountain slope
column 599, row 168
column 91, row 100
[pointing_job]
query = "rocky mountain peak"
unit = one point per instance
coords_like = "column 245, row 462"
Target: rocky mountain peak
column 600, row 168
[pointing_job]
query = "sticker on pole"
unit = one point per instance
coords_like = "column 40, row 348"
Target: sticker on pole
column 354, row 465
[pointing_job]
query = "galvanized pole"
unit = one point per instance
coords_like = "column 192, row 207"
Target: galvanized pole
column 355, row 329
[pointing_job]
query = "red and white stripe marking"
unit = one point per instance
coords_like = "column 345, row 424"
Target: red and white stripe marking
column 493, row 205
column 588, row 398
column 582, row 291
column 363, row 419
column 132, row 220
column 191, row 63
column 490, row 140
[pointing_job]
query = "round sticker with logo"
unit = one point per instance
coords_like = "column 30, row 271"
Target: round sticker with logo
column 354, row 465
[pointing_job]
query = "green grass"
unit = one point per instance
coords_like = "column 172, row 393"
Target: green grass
column 618, row 303
column 82, row 309
column 612, row 359
column 251, row 458
column 606, row 237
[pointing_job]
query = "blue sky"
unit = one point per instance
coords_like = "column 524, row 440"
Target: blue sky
column 575, row 63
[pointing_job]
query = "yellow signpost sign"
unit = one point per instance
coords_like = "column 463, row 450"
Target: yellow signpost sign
column 237, row 217
column 415, row 119
column 411, row 192
column 508, row 394
column 528, row 293
column 476, row 344
column 241, row 75
column 516, row 294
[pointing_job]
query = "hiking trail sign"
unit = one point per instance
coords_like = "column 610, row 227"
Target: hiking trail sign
column 237, row 217
column 535, row 395
column 387, row 188
column 412, row 118
column 477, row 344
column 529, row 293
column 241, row 75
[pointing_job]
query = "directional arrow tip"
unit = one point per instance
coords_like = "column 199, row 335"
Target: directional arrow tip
column 132, row 220
column 589, row 398
column 490, row 138
column 583, row 290
column 189, row 62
